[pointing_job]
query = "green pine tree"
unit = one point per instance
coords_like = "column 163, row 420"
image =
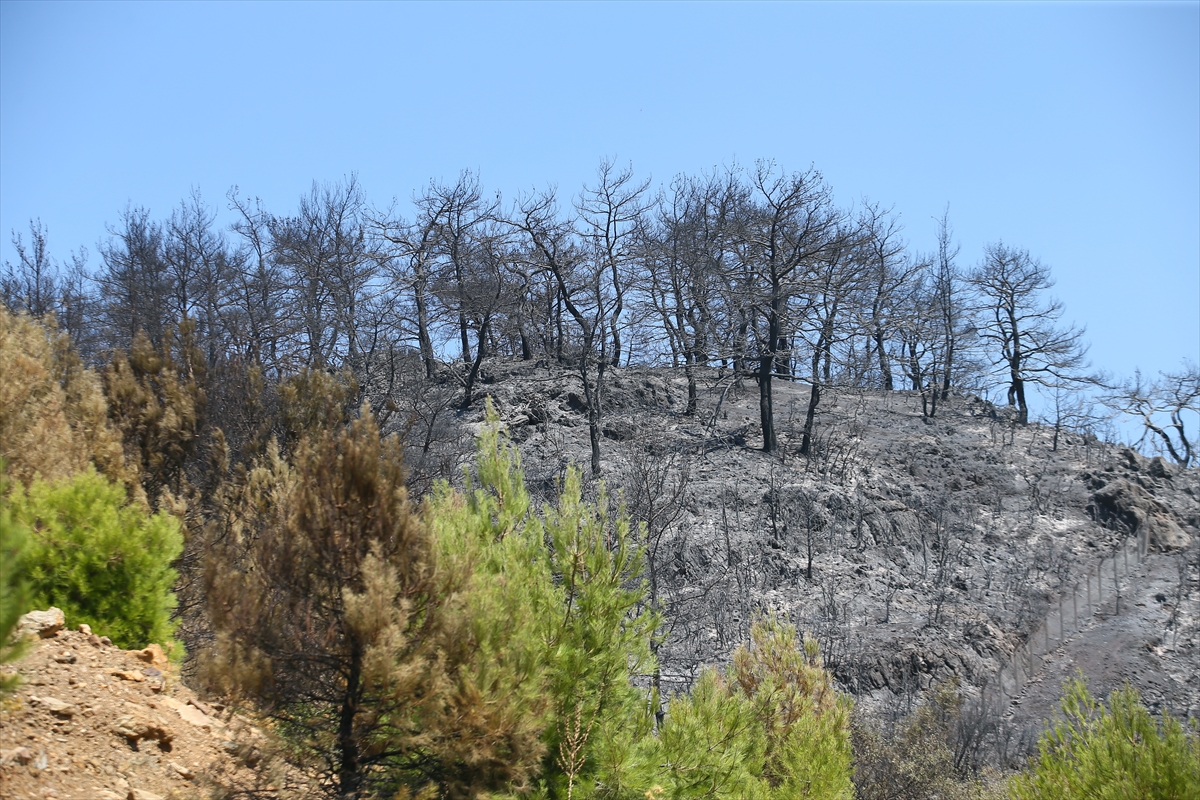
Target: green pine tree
column 774, row 727
column 557, row 620
column 103, row 561
column 1114, row 753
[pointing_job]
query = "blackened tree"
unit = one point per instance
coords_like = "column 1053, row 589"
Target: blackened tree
column 1163, row 408
column 792, row 223
column 1019, row 325
column 135, row 281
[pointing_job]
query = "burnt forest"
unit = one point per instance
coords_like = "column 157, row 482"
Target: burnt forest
column 708, row 488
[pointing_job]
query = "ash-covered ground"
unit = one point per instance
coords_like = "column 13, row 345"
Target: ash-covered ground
column 915, row 550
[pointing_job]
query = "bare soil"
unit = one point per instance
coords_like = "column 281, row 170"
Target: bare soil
column 94, row 722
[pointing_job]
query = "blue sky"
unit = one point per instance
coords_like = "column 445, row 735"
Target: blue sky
column 1072, row 130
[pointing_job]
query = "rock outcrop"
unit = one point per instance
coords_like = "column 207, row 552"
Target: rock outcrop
column 1130, row 505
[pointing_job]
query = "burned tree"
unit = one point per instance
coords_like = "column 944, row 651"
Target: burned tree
column 1020, row 326
column 791, row 224
column 1163, row 408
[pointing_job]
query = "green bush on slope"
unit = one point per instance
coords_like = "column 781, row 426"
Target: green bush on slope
column 13, row 590
column 773, row 728
column 100, row 560
column 1119, row 753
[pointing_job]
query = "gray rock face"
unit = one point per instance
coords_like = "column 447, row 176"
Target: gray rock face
column 1129, row 504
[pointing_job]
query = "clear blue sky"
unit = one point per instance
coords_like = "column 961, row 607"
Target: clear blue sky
column 1072, row 130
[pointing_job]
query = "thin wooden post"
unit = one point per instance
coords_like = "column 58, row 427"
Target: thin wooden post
column 1116, row 585
column 1075, row 605
column 1062, row 637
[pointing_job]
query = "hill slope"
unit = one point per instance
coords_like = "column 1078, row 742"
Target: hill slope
column 915, row 549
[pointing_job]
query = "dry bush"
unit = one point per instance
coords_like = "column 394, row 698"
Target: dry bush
column 53, row 416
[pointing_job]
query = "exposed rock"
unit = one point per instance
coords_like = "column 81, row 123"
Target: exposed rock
column 55, row 706
column 142, row 726
column 18, row 755
column 155, row 657
column 41, row 624
column 196, row 717
column 1133, row 458
column 1159, row 468
column 1125, row 503
column 142, row 794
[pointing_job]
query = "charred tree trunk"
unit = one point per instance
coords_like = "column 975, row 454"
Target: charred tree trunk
column 689, row 371
column 885, row 365
column 814, row 399
column 480, row 353
column 425, row 342
column 766, row 409
column 349, row 768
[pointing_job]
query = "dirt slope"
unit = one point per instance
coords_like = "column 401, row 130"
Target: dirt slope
column 94, row 722
column 1141, row 645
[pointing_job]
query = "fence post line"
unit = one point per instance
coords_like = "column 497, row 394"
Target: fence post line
column 1116, row 584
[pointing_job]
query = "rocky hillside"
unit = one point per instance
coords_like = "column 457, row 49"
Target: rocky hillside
column 94, row 722
column 915, row 549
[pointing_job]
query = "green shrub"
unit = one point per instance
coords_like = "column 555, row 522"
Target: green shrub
column 1119, row 753
column 773, row 728
column 103, row 562
column 13, row 591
